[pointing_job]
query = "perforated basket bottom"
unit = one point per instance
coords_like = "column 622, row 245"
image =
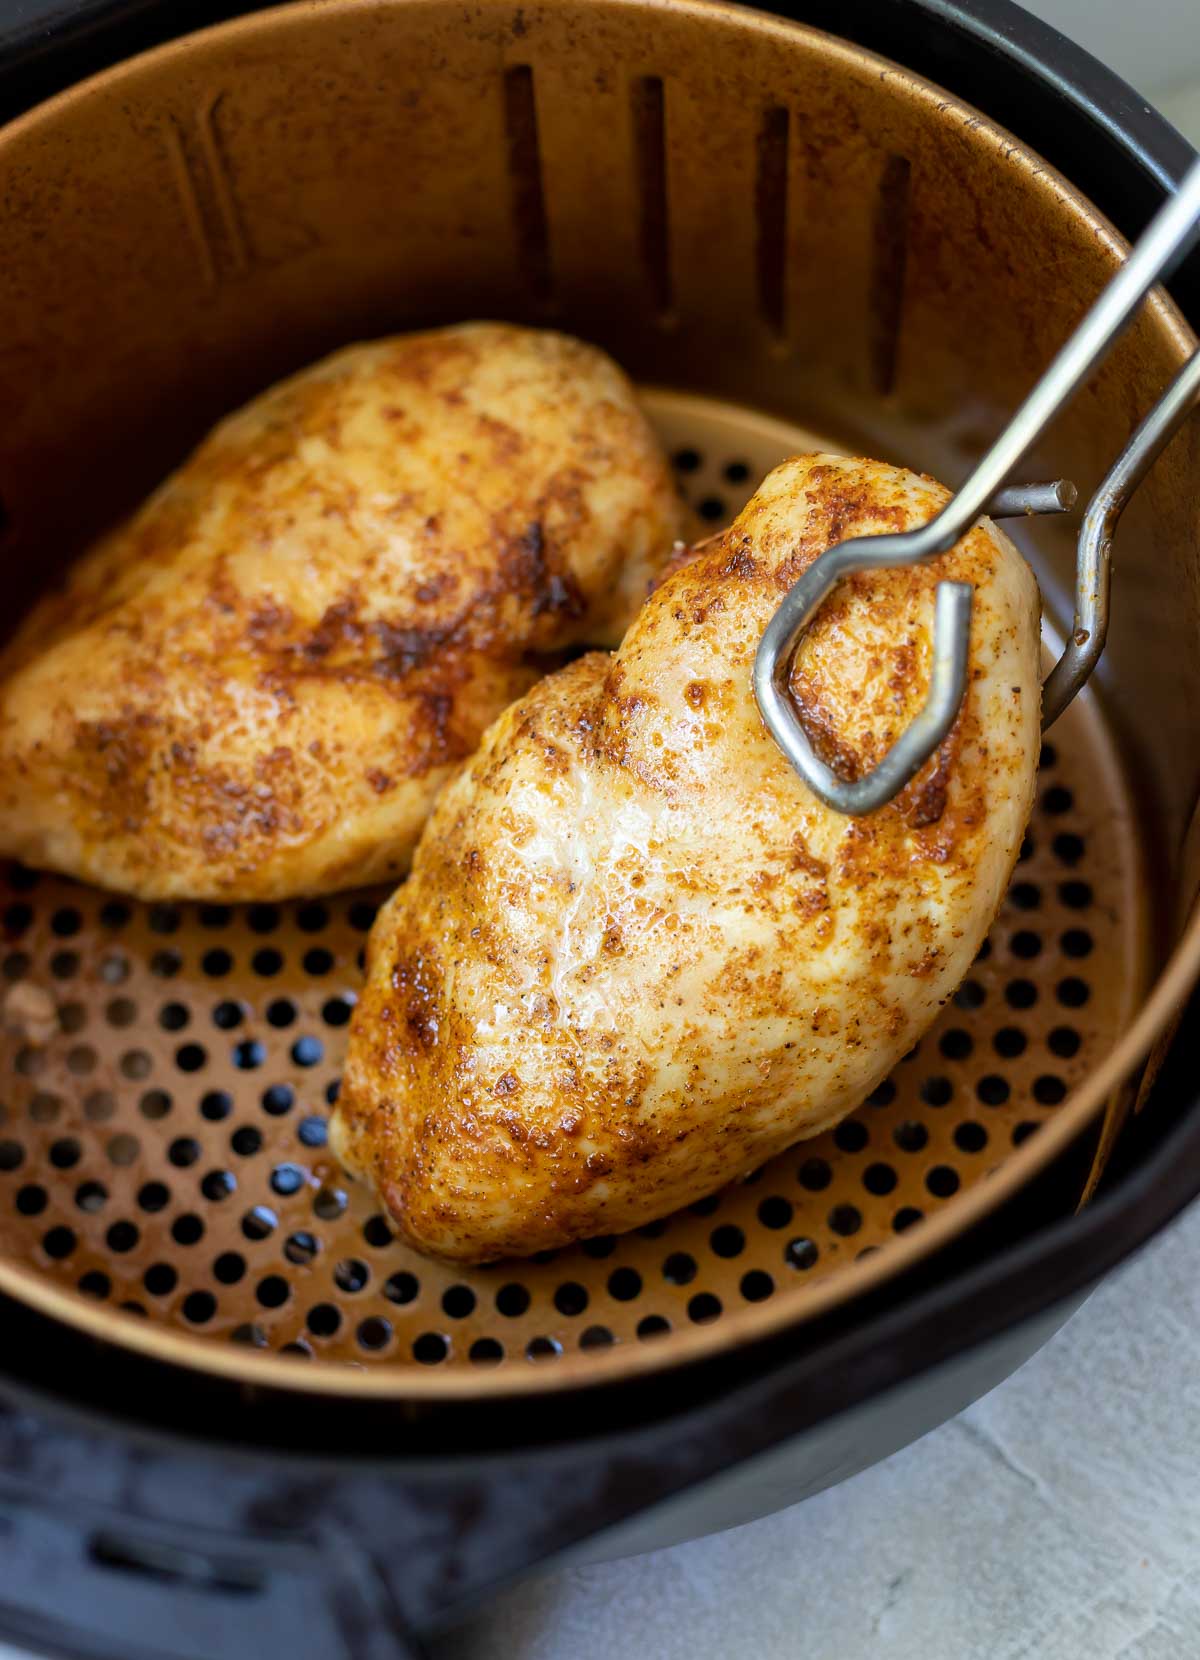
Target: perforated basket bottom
column 167, row 1072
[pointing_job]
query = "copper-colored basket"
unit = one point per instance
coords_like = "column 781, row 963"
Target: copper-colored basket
column 797, row 239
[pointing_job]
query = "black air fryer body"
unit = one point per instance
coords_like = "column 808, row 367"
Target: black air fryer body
column 151, row 1513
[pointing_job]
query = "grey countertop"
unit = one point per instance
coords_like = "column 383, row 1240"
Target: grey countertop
column 1057, row 1518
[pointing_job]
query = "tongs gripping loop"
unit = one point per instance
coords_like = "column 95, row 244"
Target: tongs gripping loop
column 1168, row 237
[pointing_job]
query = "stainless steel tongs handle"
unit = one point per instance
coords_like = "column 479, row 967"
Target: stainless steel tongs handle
column 1168, row 237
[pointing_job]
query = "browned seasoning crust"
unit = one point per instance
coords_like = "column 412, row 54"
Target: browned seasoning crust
column 257, row 686
column 636, row 957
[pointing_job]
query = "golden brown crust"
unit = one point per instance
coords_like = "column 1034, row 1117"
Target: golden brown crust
column 257, row 686
column 636, row 957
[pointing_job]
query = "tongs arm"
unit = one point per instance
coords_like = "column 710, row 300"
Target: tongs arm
column 1168, row 237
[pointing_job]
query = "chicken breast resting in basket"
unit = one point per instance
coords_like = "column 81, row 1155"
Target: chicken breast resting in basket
column 636, row 957
column 256, row 687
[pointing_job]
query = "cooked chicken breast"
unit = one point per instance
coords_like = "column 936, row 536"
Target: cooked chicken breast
column 258, row 685
column 636, row 957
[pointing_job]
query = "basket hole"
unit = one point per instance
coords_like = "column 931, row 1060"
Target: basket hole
column 374, row 1333
column 31, row 1199
column 153, row 1197
column 183, row 1152
column 1048, row 1090
column 756, row 1286
column 725, row 1241
column 845, row 1220
column 942, row 1181
column 1026, row 896
column 652, row 1325
column 91, row 1197
column 259, row 1223
column 1077, row 942
column 273, row 1291
column 278, row 1099
column 910, row 1136
column 1072, row 992
column 1057, row 800
column 956, row 1044
column 58, row 1243
column 570, row 1299
column 218, row 1184
column 230, row 1267
column 801, row 1253
column 307, row 1051
column 1020, row 994
column 329, row 1204
column 45, row 1108
column 95, row 1284
column 679, row 1268
column 402, row 1288
column 430, row 1349
column 879, row 1179
column 851, row 1136
column 814, row 1175
column 775, row 1212
column 1064, row 1041
column 485, row 1351
column 187, row 1229
column 1008, row 1042
column 246, row 1141
column 199, row 1307
column 703, row 1308
column 937, row 1091
column 318, row 960
column 1026, row 944
column 906, row 1217
column 883, row 1094
column 376, row 1232
column 542, row 1348
column 458, row 1301
column 512, row 1300
column 970, row 995
column 155, row 1104
column 160, row 1279
column 993, row 1090
column 596, row 1337
column 324, row 1320
column 301, row 1248
column 123, row 1149
column 970, row 1137
column 313, row 1131
column 1068, row 848
column 624, row 1284
column 216, row 1105
column 351, row 1274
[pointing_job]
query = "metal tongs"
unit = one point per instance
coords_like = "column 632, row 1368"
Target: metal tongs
column 1170, row 234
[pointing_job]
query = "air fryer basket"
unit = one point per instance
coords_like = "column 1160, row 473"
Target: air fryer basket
column 788, row 234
